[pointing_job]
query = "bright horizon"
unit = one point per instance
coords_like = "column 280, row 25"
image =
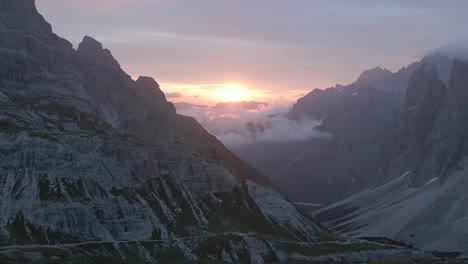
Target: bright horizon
column 213, row 51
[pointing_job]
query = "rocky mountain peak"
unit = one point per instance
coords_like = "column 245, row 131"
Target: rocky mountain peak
column 374, row 74
column 424, row 82
column 315, row 104
column 90, row 44
column 22, row 14
column 91, row 52
column 19, row 6
column 149, row 89
column 146, row 82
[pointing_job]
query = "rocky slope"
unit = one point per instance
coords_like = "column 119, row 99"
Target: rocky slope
column 423, row 200
column 97, row 167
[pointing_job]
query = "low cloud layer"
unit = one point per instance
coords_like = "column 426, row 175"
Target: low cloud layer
column 237, row 126
column 174, row 95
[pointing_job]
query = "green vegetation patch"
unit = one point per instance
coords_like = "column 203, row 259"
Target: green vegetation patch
column 46, row 193
column 9, row 127
column 215, row 246
column 237, row 210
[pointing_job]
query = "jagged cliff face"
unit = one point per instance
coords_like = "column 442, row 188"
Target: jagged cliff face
column 94, row 164
column 423, row 198
column 424, row 100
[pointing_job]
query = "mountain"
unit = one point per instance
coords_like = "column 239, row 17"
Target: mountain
column 423, row 198
column 98, row 168
column 361, row 119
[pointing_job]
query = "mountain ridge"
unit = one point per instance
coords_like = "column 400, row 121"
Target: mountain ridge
column 361, row 119
column 96, row 165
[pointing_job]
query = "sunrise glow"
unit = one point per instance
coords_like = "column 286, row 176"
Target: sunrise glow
column 232, row 92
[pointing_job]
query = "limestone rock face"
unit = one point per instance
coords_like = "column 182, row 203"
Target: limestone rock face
column 431, row 126
column 449, row 136
column 425, row 95
column 422, row 199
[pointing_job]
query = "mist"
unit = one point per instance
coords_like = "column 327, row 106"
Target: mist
column 268, row 123
column 456, row 49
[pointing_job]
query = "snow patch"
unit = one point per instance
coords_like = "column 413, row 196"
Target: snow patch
column 405, row 175
column 432, row 180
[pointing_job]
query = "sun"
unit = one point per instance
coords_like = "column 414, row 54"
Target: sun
column 232, row 92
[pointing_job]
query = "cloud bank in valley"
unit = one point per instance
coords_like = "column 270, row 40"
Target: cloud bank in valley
column 236, row 126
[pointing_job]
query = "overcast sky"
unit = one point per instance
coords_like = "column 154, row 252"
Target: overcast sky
column 279, row 47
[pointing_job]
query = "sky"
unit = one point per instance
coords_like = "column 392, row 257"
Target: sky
column 206, row 51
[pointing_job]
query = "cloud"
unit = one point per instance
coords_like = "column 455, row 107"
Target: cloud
column 457, row 49
column 174, row 95
column 237, row 126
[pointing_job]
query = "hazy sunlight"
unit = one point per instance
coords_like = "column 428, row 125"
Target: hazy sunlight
column 232, row 92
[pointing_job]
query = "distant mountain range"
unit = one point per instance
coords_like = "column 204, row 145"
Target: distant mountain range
column 395, row 158
column 360, row 117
